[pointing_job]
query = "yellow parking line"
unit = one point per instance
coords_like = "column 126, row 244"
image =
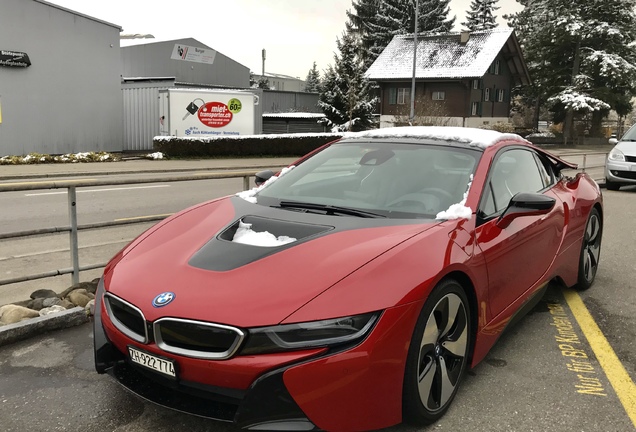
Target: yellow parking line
column 607, row 358
column 144, row 217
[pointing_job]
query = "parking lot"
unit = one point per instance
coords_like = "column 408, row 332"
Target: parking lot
column 550, row 372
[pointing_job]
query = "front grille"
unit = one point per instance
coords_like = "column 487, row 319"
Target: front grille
column 127, row 318
column 196, row 338
column 630, row 158
column 625, row 174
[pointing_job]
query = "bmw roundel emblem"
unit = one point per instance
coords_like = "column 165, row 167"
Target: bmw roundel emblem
column 163, row 299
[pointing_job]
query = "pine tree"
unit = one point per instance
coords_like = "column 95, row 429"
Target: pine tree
column 581, row 56
column 345, row 93
column 480, row 16
column 312, row 82
column 376, row 22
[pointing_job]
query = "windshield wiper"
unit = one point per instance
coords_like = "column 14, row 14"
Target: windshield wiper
column 329, row 209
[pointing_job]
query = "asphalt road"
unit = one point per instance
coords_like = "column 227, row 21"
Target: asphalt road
column 533, row 380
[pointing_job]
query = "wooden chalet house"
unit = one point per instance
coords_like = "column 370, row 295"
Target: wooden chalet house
column 462, row 79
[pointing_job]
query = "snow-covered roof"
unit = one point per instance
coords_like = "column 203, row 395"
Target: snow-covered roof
column 440, row 55
column 472, row 137
column 294, row 115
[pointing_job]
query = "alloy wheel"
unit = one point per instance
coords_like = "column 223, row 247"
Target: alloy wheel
column 591, row 247
column 443, row 352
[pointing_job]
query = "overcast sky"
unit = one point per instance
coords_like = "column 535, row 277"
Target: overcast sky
column 295, row 33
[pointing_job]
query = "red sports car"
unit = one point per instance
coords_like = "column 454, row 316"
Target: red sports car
column 353, row 290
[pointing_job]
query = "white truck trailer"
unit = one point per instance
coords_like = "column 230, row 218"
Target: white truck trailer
column 209, row 112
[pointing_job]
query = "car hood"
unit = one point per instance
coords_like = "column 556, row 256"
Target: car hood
column 627, row 147
column 217, row 280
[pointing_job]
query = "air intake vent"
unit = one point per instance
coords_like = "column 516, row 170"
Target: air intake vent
column 196, row 338
column 127, row 318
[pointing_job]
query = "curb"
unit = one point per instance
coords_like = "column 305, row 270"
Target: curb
column 25, row 329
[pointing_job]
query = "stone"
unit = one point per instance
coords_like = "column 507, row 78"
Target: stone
column 80, row 297
column 10, row 314
column 52, row 301
column 90, row 287
column 51, row 310
column 90, row 307
column 43, row 293
column 36, row 304
column 67, row 304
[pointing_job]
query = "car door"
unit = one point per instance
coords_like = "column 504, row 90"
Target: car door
column 518, row 255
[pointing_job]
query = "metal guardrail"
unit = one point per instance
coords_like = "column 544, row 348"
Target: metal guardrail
column 73, row 228
column 584, row 165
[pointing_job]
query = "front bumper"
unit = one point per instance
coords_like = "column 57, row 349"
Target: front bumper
column 355, row 388
column 620, row 172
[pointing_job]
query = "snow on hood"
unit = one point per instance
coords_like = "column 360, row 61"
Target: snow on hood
column 250, row 195
column 245, row 235
column 473, row 137
column 459, row 210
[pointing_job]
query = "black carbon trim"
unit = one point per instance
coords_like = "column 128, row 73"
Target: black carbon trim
column 221, row 254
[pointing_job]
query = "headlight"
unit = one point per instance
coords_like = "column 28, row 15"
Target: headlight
column 616, row 155
column 308, row 335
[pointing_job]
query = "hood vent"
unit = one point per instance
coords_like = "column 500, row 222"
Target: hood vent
column 222, row 254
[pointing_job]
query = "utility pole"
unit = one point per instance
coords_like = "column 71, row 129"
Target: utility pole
column 412, row 116
column 263, row 55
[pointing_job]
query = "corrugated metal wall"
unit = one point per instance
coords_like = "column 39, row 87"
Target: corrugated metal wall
column 141, row 113
column 278, row 101
column 281, row 126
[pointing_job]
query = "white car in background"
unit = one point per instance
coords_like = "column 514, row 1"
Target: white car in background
column 620, row 167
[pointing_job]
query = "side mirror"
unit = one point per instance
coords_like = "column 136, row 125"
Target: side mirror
column 262, row 176
column 613, row 141
column 525, row 204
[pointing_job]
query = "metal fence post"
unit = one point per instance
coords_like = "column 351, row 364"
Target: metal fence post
column 246, row 183
column 584, row 161
column 72, row 213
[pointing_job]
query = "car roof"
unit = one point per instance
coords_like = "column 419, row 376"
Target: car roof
column 470, row 137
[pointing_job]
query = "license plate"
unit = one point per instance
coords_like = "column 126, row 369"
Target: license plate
column 152, row 362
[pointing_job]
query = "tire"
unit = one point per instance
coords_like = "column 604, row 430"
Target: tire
column 438, row 354
column 590, row 251
column 611, row 185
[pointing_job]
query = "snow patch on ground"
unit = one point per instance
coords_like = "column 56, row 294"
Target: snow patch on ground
column 245, row 235
column 155, row 155
column 459, row 210
column 250, row 195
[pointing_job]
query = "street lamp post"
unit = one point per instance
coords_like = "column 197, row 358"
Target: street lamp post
column 412, row 116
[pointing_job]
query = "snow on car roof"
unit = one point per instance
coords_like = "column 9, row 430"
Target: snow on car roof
column 472, row 137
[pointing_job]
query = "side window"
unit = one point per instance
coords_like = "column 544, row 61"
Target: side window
column 513, row 171
column 546, row 170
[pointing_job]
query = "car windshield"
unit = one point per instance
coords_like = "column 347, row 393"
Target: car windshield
column 378, row 179
column 630, row 135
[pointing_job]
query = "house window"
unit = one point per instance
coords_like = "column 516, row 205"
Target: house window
column 475, row 108
column 497, row 67
column 475, row 84
column 500, row 95
column 486, row 94
column 392, row 96
column 403, row 95
column 439, row 95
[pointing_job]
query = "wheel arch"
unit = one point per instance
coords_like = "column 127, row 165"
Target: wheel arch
column 469, row 289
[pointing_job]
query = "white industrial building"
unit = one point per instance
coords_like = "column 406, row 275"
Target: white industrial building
column 60, row 89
